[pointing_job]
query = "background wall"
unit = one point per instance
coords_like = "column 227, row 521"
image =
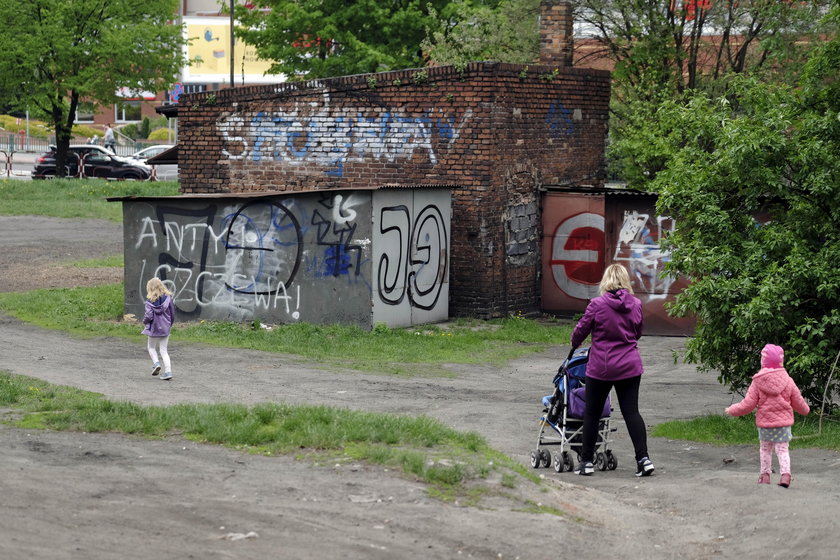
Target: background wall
column 317, row 257
column 411, row 252
column 496, row 133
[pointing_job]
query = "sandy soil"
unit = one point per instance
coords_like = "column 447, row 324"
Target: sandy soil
column 103, row 496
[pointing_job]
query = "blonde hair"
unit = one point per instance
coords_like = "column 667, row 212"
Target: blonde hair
column 155, row 289
column 615, row 278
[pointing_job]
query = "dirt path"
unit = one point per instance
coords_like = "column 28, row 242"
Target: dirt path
column 105, row 496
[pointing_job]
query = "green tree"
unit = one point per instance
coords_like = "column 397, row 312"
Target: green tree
column 680, row 45
column 753, row 180
column 58, row 54
column 660, row 50
column 310, row 39
column 663, row 49
column 508, row 32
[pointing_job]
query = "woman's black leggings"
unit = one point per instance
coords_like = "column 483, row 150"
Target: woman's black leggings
column 627, row 391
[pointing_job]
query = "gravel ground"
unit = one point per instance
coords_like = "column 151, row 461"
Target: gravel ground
column 101, row 496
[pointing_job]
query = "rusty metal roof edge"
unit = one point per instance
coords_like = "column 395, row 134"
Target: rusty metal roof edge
column 268, row 194
column 605, row 190
column 418, row 185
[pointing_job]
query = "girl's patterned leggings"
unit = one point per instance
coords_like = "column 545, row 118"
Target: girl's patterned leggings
column 766, row 449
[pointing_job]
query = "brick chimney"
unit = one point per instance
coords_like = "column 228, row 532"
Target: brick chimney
column 556, row 33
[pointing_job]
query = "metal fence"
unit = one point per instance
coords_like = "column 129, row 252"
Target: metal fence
column 18, row 155
column 10, row 142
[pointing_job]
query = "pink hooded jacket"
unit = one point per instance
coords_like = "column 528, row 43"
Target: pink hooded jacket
column 772, row 394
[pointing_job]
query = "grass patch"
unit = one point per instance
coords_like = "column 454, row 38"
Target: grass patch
column 98, row 311
column 449, row 461
column 532, row 507
column 725, row 430
column 75, row 198
column 116, row 261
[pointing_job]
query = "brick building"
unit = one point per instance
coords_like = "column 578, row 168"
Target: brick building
column 497, row 134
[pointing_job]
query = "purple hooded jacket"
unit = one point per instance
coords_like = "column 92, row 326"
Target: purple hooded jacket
column 159, row 316
column 615, row 322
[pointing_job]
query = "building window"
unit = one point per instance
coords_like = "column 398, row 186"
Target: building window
column 84, row 113
column 184, row 89
column 127, row 111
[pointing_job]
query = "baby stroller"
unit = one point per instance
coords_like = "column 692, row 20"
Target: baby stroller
column 562, row 421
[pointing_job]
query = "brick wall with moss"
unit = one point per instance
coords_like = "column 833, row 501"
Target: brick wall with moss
column 496, row 134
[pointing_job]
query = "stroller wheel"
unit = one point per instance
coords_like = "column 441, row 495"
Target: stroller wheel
column 612, row 462
column 568, row 462
column 545, row 456
column 558, row 463
column 601, row 461
column 536, row 458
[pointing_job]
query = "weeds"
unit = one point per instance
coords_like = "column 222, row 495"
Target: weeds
column 420, row 447
column 420, row 77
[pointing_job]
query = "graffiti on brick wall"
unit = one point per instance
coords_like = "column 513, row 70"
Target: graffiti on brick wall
column 318, row 134
column 638, row 247
column 578, row 254
column 560, row 120
column 412, row 264
column 247, row 258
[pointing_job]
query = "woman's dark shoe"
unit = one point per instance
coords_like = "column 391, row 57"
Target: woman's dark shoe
column 644, row 467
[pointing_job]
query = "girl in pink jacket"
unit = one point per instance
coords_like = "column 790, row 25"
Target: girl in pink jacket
column 774, row 396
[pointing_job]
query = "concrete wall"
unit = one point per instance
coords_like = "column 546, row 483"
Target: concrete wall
column 353, row 257
column 411, row 252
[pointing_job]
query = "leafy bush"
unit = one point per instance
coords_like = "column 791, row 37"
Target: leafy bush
column 753, row 183
column 132, row 131
column 161, row 134
column 40, row 129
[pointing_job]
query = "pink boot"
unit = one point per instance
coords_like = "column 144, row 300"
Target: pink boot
column 785, row 480
column 764, row 478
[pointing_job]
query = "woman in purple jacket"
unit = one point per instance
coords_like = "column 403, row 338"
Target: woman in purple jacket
column 614, row 319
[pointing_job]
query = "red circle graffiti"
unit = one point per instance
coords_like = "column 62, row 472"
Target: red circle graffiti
column 584, row 239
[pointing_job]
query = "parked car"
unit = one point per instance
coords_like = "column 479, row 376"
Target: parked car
column 99, row 162
column 150, row 151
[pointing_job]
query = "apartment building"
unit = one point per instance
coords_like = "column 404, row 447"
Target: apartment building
column 215, row 59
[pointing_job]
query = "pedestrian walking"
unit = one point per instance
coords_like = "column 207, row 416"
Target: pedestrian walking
column 110, row 139
column 158, row 317
column 615, row 321
column 774, row 396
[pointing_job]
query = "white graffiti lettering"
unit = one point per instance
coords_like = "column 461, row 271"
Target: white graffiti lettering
column 318, row 134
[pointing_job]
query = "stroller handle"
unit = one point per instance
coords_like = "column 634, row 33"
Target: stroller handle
column 562, row 370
